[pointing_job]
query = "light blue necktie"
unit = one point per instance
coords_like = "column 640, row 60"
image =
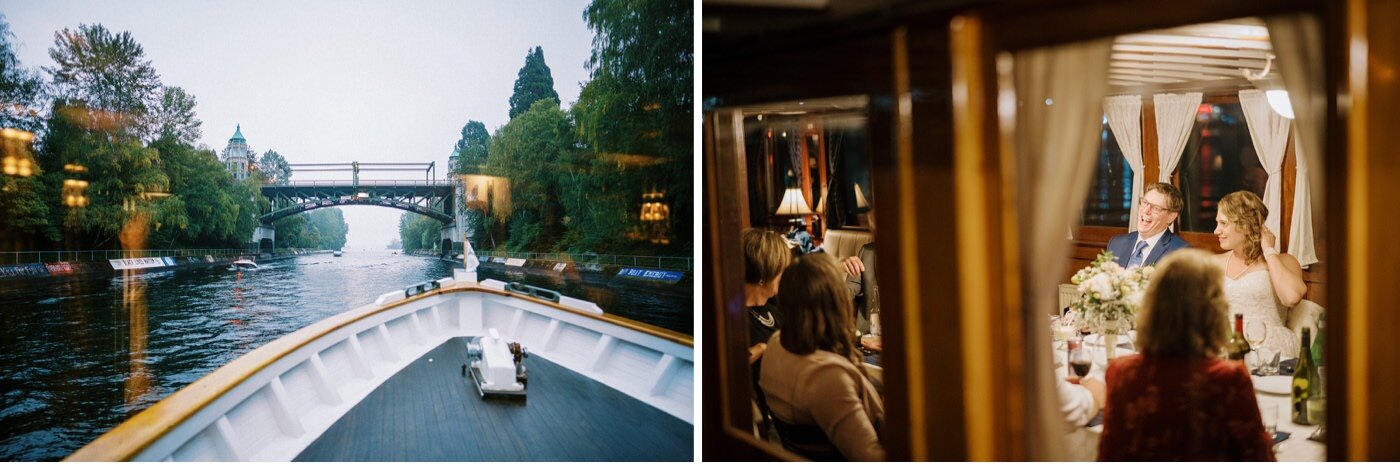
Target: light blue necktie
column 1137, row 258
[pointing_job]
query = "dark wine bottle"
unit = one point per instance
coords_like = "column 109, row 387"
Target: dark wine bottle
column 1305, row 382
column 1236, row 347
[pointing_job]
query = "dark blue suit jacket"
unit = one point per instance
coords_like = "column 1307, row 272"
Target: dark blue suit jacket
column 1122, row 247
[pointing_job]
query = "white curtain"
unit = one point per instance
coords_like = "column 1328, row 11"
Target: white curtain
column 1124, row 113
column 1058, row 121
column 1297, row 41
column 1176, row 115
column 1269, row 132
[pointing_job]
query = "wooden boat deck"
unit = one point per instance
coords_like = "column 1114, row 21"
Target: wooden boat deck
column 430, row 412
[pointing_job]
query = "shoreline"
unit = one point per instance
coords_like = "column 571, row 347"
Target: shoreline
column 40, row 273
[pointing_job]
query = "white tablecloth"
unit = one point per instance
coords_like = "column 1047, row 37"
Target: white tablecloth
column 1083, row 443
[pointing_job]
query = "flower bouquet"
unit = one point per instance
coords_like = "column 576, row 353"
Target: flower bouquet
column 1109, row 297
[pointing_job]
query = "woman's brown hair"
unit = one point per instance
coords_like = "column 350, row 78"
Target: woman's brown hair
column 1247, row 212
column 1184, row 310
column 765, row 255
column 817, row 308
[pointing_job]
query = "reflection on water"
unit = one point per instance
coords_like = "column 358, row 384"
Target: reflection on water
column 669, row 306
column 78, row 356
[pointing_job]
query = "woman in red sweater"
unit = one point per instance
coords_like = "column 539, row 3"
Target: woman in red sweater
column 1178, row 400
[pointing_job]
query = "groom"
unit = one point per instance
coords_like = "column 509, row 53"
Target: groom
column 1159, row 208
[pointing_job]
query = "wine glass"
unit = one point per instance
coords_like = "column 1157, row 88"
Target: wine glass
column 1080, row 361
column 1255, row 332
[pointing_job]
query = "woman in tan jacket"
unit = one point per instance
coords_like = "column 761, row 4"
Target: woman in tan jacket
column 823, row 404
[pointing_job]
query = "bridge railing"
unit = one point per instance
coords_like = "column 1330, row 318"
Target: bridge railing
column 655, row 262
column 363, row 183
column 25, row 257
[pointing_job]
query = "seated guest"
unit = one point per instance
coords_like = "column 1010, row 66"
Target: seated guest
column 1178, row 400
column 860, row 279
column 766, row 254
column 823, row 404
column 1261, row 282
column 1080, row 399
column 1159, row 208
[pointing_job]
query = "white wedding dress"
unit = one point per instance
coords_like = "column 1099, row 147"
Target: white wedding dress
column 1253, row 295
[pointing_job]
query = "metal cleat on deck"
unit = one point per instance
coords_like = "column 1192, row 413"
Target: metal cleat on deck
column 495, row 366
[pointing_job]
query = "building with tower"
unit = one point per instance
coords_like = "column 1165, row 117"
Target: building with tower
column 237, row 155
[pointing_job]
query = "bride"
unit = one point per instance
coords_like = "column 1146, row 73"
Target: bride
column 1260, row 282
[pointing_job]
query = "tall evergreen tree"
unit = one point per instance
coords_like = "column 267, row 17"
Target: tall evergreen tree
column 472, row 148
column 532, row 84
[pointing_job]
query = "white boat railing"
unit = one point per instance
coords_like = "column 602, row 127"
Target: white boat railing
column 272, row 403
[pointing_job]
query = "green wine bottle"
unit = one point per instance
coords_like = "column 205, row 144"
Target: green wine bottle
column 1305, row 383
column 1236, row 347
column 1318, row 342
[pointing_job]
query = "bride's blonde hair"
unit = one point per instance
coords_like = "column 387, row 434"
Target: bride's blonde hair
column 1247, row 212
column 1184, row 310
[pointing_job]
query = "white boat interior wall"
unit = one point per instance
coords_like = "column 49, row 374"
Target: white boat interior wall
column 290, row 395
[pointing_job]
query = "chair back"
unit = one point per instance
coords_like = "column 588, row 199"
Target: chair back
column 1303, row 314
column 844, row 243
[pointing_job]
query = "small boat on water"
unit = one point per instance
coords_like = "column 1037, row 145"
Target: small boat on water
column 243, row 264
column 337, row 253
column 434, row 372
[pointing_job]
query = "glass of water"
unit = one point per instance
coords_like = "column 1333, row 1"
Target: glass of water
column 1269, row 412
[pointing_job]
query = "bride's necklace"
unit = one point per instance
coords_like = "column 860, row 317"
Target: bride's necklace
column 768, row 321
column 1228, row 259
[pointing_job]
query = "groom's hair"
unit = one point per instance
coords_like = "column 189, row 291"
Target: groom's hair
column 1173, row 195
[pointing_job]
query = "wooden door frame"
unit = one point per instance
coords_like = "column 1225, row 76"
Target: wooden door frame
column 986, row 185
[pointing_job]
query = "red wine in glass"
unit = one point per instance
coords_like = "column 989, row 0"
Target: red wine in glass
column 1081, row 368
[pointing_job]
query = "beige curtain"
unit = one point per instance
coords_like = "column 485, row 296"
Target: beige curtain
column 1268, row 131
column 1124, row 113
column 1060, row 92
column 1297, row 41
column 1176, row 115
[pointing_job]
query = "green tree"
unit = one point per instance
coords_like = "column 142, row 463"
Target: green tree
column 531, row 150
column 472, row 148
column 110, row 74
column 25, row 222
column 210, row 205
column 639, row 102
column 533, row 83
column 174, row 116
column 322, row 228
column 21, row 90
column 418, row 232
column 119, row 172
column 274, row 167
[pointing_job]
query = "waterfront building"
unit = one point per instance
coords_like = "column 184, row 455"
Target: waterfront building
column 237, row 155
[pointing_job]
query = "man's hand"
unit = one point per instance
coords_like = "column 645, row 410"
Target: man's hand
column 853, row 265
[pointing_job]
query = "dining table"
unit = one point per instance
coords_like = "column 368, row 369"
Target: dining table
column 1270, row 391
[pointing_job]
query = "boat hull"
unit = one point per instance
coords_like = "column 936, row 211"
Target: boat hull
column 272, row 403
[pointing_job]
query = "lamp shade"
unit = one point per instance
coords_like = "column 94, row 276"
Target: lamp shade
column 1278, row 100
column 793, row 204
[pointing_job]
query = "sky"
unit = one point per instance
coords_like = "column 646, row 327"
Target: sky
column 321, row 81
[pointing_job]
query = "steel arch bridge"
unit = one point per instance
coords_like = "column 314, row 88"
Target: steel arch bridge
column 432, row 198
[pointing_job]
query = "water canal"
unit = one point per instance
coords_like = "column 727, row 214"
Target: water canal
column 79, row 356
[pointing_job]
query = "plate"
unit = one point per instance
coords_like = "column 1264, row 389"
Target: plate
column 1274, row 384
